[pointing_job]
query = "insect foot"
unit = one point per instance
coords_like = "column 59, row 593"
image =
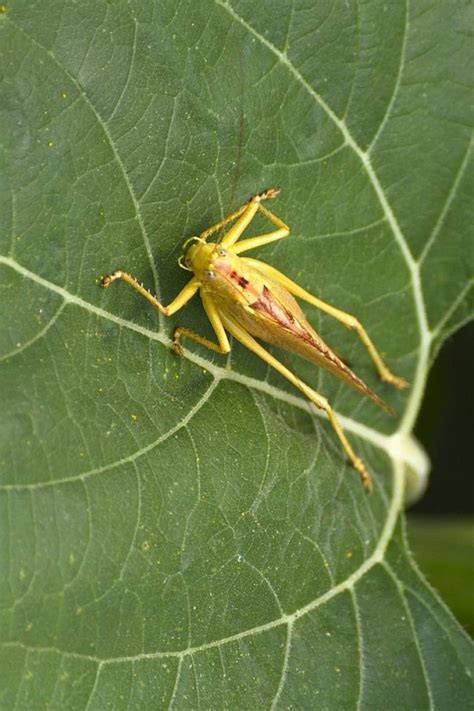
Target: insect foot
column 109, row 278
column 268, row 194
column 175, row 345
column 365, row 477
column 394, row 380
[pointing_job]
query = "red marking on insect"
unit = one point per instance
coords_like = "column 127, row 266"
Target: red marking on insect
column 241, row 280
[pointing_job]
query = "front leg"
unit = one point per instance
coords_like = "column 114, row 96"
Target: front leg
column 178, row 302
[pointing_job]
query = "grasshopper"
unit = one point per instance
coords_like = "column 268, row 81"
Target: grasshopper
column 250, row 299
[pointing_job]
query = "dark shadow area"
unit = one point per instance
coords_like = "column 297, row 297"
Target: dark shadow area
column 441, row 524
column 445, row 427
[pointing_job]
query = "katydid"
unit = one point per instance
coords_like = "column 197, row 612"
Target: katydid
column 250, row 299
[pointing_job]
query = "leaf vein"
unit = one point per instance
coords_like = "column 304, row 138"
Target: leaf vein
column 289, row 618
column 102, row 123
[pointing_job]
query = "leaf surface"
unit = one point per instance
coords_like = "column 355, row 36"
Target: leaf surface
column 185, row 533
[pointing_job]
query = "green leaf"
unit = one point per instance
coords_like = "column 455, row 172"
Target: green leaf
column 444, row 549
column 185, row 533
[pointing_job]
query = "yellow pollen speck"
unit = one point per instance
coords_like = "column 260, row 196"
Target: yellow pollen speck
column 133, row 418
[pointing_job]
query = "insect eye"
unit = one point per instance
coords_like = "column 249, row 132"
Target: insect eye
column 209, row 275
column 221, row 252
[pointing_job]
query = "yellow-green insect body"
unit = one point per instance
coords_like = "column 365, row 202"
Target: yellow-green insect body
column 232, row 284
column 241, row 291
column 250, row 299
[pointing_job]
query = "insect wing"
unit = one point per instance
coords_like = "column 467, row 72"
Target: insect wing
column 279, row 320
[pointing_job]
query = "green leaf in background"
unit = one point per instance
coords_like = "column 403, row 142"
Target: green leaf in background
column 444, row 548
column 184, row 533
